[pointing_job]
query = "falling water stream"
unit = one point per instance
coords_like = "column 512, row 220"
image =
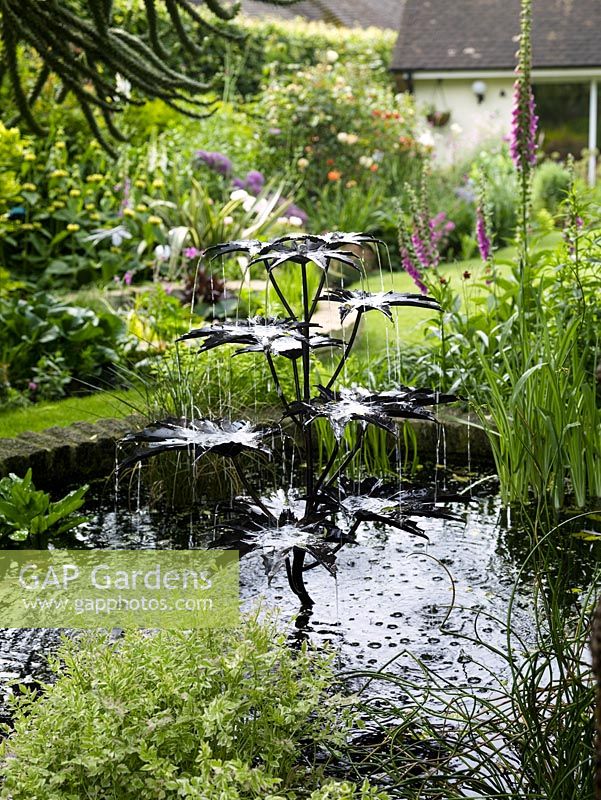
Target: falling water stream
column 394, row 597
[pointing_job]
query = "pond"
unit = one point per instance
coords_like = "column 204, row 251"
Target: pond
column 395, row 600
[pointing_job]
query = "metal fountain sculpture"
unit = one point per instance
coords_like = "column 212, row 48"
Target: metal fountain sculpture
column 326, row 514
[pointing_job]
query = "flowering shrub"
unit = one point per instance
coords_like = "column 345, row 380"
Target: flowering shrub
column 334, row 124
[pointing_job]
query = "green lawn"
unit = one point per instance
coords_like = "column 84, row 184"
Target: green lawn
column 64, row 412
column 411, row 323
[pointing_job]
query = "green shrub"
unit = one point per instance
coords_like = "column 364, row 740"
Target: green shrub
column 550, row 186
column 216, row 714
column 47, row 346
column 286, row 45
column 330, row 122
column 26, row 511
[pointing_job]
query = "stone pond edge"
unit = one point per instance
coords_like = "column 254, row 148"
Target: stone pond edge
column 84, row 451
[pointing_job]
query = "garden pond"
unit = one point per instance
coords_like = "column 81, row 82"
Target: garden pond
column 396, row 600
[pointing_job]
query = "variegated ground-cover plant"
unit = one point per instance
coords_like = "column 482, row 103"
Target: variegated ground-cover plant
column 325, row 514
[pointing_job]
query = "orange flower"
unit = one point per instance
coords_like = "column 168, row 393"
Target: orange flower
column 374, row 168
column 334, row 175
column 330, row 162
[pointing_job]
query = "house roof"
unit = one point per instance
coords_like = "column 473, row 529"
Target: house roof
column 350, row 13
column 441, row 35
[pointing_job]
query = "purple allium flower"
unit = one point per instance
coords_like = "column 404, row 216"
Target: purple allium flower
column 127, row 278
column 484, row 245
column 218, row 162
column 411, row 269
column 253, row 183
column 295, row 211
column 191, row 252
column 32, row 386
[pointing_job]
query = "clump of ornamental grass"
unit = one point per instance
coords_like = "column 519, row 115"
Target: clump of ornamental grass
column 217, row 713
column 527, row 735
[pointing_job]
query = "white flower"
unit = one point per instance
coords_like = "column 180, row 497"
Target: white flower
column 282, row 220
column 366, row 161
column 296, row 222
column 228, row 220
column 331, row 56
column 162, row 252
column 426, row 139
column 456, row 129
column 239, row 194
column 303, row 163
column 116, row 235
column 352, row 138
column 255, row 204
column 123, row 86
column 342, row 137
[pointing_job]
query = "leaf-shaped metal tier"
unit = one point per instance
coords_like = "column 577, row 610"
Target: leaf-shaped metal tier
column 273, row 336
column 223, row 437
column 361, row 405
column 251, row 247
column 361, row 301
column 304, row 249
column 333, row 238
column 373, row 500
column 321, row 540
column 284, row 507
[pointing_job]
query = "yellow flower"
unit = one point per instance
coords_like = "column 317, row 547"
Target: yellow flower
column 154, row 220
column 74, row 192
column 96, row 177
column 29, row 187
column 60, row 145
column 141, row 207
column 58, row 204
column 129, row 212
column 90, row 206
column 59, row 173
column 158, row 183
column 140, row 184
column 73, row 227
column 29, row 157
column 94, row 216
column 27, row 226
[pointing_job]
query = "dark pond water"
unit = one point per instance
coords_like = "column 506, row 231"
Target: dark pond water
column 395, row 598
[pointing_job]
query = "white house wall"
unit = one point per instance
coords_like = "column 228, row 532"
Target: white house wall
column 471, row 123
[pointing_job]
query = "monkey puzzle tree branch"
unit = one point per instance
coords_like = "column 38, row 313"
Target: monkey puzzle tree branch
column 78, row 42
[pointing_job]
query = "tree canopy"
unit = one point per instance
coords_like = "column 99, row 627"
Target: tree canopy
column 104, row 65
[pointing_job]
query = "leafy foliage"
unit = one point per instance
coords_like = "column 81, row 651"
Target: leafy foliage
column 43, row 335
column 101, row 63
column 234, row 714
column 26, row 512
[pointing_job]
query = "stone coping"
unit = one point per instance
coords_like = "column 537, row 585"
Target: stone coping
column 60, row 457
